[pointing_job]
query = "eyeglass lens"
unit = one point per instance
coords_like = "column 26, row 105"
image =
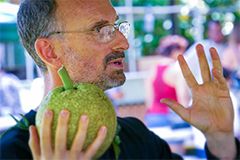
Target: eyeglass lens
column 107, row 33
column 124, row 28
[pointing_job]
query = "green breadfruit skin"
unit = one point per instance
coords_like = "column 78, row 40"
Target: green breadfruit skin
column 85, row 99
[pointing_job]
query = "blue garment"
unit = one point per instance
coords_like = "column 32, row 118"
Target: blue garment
column 137, row 142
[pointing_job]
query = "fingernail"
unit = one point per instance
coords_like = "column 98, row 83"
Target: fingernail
column 48, row 113
column 30, row 129
column 212, row 49
column 84, row 118
column 64, row 113
column 103, row 130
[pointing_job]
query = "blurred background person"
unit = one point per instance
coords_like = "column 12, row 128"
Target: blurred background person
column 231, row 64
column 165, row 82
column 215, row 38
column 231, row 56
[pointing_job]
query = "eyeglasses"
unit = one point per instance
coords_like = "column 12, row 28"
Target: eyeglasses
column 105, row 33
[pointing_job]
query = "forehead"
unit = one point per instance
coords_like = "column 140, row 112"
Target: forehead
column 85, row 11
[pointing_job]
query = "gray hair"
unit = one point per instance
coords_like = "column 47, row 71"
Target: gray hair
column 35, row 19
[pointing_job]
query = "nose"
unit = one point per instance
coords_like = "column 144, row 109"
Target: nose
column 120, row 43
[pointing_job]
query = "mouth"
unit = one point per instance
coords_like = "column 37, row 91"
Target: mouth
column 116, row 63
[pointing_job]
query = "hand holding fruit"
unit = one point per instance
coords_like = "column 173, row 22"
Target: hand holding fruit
column 41, row 145
column 63, row 133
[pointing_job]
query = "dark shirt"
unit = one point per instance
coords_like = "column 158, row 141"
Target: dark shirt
column 137, row 142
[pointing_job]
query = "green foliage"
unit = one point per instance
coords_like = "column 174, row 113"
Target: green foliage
column 118, row 2
column 237, row 15
column 150, row 2
column 116, row 143
column 183, row 23
column 219, row 3
column 23, row 124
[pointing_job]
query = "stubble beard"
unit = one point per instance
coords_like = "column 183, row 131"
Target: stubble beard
column 106, row 79
column 106, row 82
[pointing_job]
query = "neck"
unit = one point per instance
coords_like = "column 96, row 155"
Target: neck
column 51, row 80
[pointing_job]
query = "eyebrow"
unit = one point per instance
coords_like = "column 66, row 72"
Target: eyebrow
column 99, row 23
column 102, row 22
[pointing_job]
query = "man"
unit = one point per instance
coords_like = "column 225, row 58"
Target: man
column 80, row 35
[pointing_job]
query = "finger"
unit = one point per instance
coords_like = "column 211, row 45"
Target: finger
column 217, row 69
column 93, row 148
column 216, row 60
column 61, row 132
column 45, row 134
column 191, row 81
column 34, row 143
column 204, row 67
column 81, row 135
column 221, row 80
column 178, row 108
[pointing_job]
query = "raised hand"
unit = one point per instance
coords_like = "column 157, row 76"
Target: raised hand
column 41, row 145
column 212, row 109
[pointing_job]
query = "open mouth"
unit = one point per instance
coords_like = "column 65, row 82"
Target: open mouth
column 117, row 63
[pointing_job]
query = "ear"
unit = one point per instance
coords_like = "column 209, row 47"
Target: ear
column 45, row 51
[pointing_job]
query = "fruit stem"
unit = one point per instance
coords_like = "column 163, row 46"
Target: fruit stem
column 66, row 80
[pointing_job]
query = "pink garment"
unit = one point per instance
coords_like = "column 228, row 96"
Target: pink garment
column 161, row 90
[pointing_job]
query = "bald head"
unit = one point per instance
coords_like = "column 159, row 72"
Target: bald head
column 74, row 11
column 37, row 18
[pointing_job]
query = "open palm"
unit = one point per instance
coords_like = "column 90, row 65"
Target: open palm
column 211, row 110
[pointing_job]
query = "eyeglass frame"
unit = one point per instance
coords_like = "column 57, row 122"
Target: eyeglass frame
column 97, row 29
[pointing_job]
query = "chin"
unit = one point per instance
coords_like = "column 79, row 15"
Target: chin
column 116, row 84
column 112, row 82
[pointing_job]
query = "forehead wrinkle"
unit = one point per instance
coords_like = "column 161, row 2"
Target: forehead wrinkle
column 72, row 10
column 84, row 11
column 100, row 16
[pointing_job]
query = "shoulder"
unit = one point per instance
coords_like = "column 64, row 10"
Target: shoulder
column 14, row 141
column 131, row 123
column 138, row 142
column 133, row 127
column 12, row 136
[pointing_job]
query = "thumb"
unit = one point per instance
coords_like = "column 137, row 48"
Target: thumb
column 178, row 108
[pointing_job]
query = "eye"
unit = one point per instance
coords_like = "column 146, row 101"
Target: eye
column 106, row 33
column 107, row 30
column 97, row 28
